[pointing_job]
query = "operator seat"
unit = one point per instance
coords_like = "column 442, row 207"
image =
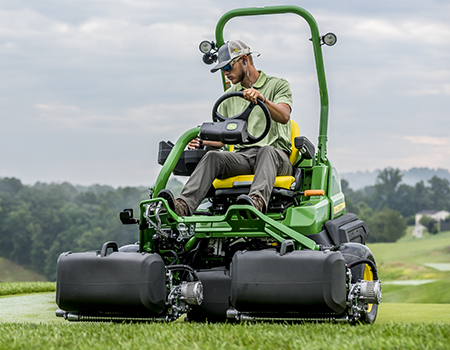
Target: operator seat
column 285, row 186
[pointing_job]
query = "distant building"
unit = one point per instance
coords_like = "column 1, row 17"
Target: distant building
column 437, row 215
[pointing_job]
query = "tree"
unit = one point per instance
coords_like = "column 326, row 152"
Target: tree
column 386, row 187
column 348, row 192
column 440, row 193
column 386, row 225
column 430, row 224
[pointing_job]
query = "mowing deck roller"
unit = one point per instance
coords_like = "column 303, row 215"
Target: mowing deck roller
column 125, row 283
column 304, row 282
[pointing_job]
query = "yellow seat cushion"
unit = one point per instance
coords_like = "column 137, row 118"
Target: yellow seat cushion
column 246, row 180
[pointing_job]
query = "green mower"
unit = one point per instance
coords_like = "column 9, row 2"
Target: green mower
column 304, row 259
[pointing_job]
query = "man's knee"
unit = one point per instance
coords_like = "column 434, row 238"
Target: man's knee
column 211, row 157
column 266, row 152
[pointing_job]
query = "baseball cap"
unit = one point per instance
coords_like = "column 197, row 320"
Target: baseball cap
column 229, row 51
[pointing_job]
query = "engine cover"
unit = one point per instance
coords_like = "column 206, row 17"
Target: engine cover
column 305, row 282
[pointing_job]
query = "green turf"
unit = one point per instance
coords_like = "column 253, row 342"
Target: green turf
column 34, row 308
column 406, row 260
column 413, row 313
column 432, row 293
column 224, row 336
column 9, row 288
column 41, row 307
column 430, row 249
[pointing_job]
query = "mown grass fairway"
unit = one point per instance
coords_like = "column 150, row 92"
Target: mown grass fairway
column 12, row 288
column 181, row 335
column 40, row 308
column 29, row 322
column 407, row 261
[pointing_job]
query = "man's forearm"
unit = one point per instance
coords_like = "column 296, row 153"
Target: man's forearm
column 216, row 144
column 280, row 113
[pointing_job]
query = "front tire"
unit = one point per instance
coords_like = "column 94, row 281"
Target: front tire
column 353, row 252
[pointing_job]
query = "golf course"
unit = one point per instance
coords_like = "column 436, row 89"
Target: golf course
column 414, row 314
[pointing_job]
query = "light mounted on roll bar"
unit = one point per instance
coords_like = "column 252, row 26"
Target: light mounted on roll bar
column 209, row 50
column 329, row 39
column 206, row 46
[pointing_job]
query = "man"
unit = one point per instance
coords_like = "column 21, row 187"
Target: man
column 267, row 158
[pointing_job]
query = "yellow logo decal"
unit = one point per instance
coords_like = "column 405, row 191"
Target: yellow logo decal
column 339, row 207
column 231, row 126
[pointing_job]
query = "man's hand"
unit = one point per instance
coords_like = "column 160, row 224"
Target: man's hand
column 194, row 144
column 253, row 95
column 280, row 112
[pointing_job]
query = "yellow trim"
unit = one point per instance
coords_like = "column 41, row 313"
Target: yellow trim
column 368, row 276
column 339, row 207
column 295, row 132
column 280, row 181
column 228, row 182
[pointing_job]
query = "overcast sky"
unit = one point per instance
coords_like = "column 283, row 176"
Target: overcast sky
column 88, row 88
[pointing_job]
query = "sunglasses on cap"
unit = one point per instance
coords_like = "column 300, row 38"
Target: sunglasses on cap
column 230, row 65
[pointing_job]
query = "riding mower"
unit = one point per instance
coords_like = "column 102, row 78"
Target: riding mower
column 304, row 259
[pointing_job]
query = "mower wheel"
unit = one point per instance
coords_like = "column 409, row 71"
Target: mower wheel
column 352, row 252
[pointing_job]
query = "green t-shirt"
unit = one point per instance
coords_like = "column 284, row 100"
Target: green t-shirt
column 276, row 90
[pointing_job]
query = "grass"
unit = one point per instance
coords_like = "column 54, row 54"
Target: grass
column 41, row 307
column 429, row 249
column 224, row 336
column 12, row 288
column 405, row 260
column 432, row 293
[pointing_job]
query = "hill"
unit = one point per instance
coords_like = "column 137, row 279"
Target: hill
column 361, row 179
column 11, row 272
column 415, row 270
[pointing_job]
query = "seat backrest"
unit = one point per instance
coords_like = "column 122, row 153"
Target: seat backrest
column 295, row 132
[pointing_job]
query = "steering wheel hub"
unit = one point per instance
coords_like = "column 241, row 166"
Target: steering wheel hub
column 233, row 130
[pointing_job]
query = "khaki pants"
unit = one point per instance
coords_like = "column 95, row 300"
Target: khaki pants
column 265, row 162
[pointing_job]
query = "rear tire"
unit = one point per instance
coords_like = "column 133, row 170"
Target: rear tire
column 353, row 252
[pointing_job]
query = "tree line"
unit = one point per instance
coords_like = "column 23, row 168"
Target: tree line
column 389, row 205
column 39, row 222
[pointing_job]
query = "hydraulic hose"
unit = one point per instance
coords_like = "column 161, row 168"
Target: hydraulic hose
column 370, row 263
column 175, row 256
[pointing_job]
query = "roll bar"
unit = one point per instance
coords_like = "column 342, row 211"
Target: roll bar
column 316, row 40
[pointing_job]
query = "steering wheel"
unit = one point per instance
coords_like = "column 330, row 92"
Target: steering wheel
column 217, row 117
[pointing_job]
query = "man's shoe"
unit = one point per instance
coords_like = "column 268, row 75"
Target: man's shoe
column 181, row 208
column 178, row 205
column 254, row 200
column 259, row 202
column 168, row 196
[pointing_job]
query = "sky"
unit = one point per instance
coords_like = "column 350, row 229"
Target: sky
column 88, row 88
